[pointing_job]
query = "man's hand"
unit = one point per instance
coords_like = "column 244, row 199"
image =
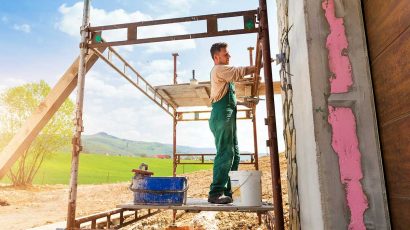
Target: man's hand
column 249, row 70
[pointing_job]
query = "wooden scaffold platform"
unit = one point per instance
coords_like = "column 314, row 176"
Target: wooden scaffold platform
column 197, row 205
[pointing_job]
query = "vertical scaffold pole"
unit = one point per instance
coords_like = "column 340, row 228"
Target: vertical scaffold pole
column 270, row 108
column 174, row 143
column 255, row 136
column 76, row 142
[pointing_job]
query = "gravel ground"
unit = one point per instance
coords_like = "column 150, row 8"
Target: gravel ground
column 22, row 208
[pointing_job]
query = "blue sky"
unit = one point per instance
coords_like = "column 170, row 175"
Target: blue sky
column 39, row 40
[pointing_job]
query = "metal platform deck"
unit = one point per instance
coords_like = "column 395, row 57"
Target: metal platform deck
column 197, row 204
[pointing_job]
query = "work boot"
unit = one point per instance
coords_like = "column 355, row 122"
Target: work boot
column 219, row 199
column 229, row 194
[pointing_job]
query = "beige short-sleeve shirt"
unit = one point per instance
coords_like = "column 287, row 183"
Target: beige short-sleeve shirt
column 221, row 75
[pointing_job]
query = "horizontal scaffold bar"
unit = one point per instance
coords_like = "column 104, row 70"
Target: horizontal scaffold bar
column 249, row 26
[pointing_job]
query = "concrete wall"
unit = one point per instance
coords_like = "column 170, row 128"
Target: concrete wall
column 306, row 148
column 340, row 177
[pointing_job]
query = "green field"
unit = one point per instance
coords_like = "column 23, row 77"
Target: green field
column 99, row 169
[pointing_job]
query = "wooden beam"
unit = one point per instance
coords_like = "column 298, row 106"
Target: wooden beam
column 35, row 123
column 202, row 93
column 167, row 97
column 198, row 204
column 276, row 88
column 248, row 90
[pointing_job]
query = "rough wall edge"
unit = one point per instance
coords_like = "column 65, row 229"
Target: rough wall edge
column 320, row 221
column 288, row 120
column 318, row 161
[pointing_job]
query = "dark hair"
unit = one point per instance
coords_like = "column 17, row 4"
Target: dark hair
column 217, row 47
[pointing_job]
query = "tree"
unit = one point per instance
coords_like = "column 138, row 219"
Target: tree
column 17, row 104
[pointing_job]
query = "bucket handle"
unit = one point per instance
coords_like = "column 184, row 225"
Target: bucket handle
column 241, row 184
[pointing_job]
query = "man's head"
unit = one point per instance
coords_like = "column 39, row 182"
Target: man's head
column 220, row 54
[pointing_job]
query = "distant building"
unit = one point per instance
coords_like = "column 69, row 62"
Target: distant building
column 162, row 156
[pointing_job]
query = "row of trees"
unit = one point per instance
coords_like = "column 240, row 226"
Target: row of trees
column 17, row 104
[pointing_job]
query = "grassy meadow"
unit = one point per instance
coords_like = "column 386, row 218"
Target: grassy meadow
column 100, row 169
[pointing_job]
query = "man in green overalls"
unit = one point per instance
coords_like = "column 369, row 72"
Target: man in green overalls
column 223, row 121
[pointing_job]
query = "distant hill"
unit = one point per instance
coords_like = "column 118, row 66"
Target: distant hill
column 103, row 143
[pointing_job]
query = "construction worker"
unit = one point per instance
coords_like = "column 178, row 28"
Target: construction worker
column 223, row 121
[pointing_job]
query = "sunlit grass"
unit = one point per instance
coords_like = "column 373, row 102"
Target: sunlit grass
column 99, row 169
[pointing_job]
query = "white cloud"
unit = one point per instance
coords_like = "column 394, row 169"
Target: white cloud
column 8, row 82
column 170, row 46
column 158, row 72
column 213, row 2
column 72, row 17
column 171, row 8
column 179, row 4
column 161, row 72
column 4, row 19
column 23, row 28
column 131, row 119
column 95, row 86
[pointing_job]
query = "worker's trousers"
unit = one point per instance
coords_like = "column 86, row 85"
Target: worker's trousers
column 223, row 126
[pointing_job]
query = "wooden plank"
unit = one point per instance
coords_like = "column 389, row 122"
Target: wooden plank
column 167, row 97
column 247, row 90
column 399, row 213
column 385, row 21
column 182, row 86
column 202, row 92
column 388, row 35
column 196, row 204
column 276, row 88
column 31, row 128
column 391, row 81
column 395, row 140
column 188, row 102
column 240, row 88
column 185, row 95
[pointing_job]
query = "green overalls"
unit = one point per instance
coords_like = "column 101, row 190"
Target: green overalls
column 223, row 126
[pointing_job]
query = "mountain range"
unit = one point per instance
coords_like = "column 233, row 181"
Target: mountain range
column 103, row 143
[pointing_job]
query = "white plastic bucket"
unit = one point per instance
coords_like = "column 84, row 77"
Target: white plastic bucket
column 246, row 187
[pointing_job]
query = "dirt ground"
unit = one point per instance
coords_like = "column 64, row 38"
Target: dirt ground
column 22, row 208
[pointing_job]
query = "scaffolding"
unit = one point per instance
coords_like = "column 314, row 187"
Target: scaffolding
column 169, row 98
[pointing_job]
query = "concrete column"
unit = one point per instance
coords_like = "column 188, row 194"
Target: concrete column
column 340, row 173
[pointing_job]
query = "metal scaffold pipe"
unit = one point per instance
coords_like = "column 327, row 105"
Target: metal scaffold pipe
column 270, row 108
column 78, row 118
